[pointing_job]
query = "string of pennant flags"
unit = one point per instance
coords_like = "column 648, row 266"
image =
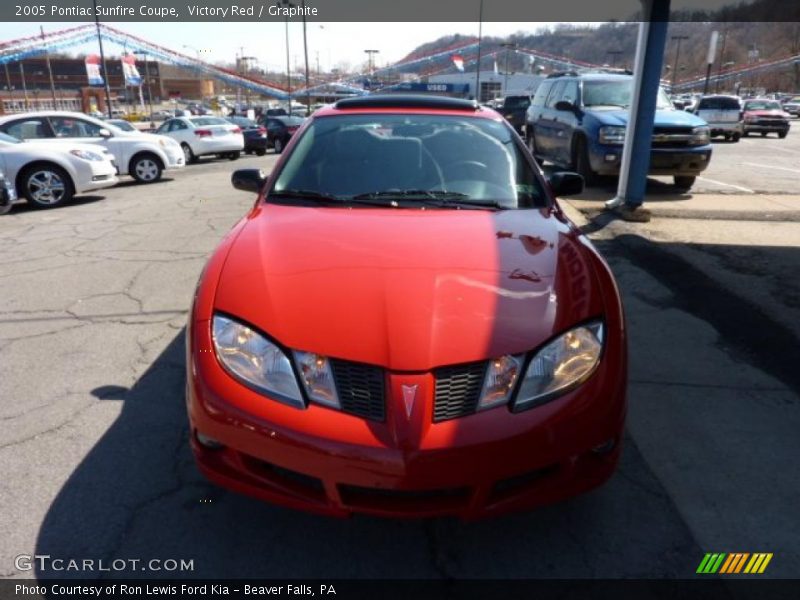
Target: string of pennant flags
column 456, row 56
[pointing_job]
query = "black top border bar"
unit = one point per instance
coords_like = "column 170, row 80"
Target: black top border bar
column 445, row 11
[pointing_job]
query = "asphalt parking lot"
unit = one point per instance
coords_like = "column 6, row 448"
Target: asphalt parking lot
column 93, row 448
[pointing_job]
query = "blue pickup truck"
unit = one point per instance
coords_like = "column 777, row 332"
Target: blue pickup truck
column 578, row 121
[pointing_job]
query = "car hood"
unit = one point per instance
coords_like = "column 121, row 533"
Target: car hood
column 663, row 118
column 408, row 289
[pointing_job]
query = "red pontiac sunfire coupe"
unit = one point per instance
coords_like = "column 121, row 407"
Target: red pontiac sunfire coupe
column 406, row 324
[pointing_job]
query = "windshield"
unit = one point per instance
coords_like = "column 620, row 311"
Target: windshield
column 616, row 94
column 762, row 105
column 8, row 139
column 516, row 102
column 465, row 161
column 123, row 125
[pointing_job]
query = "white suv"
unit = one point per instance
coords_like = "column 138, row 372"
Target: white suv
column 143, row 157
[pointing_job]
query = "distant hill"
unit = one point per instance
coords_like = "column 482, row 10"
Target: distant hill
column 745, row 38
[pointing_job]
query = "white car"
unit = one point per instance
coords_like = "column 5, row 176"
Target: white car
column 143, row 157
column 51, row 174
column 200, row 136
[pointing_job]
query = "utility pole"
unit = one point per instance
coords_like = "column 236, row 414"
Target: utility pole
column 478, row 64
column 102, row 60
column 679, row 38
column 49, row 69
column 149, row 89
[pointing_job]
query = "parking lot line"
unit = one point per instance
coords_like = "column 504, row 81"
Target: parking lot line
column 737, row 187
column 772, row 167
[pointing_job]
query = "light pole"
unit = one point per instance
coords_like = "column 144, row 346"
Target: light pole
column 721, row 58
column 103, row 60
column 288, row 4
column 679, row 38
column 305, row 51
column 196, row 50
column 614, row 54
column 149, row 89
column 371, row 60
column 478, row 64
column 508, row 46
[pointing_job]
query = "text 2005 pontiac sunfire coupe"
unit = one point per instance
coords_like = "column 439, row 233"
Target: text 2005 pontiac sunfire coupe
column 406, row 324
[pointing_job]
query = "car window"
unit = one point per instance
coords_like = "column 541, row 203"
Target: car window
column 70, row 127
column 206, row 121
column 28, row 129
column 274, row 124
column 718, row 103
column 345, row 156
column 178, row 125
column 541, row 93
column 555, row 94
column 8, row 139
column 570, row 93
column 516, row 102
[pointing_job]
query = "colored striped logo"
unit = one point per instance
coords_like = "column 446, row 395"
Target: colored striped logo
column 734, row 563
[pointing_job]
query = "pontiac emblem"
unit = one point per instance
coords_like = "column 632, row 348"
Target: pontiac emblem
column 409, row 395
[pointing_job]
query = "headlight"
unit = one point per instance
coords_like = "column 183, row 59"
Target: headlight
column 86, row 155
column 611, row 134
column 561, row 365
column 501, row 376
column 317, row 378
column 256, row 361
column 700, row 136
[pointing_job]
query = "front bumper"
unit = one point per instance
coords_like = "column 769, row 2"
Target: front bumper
column 95, row 175
column 325, row 461
column 175, row 157
column 775, row 127
column 726, row 128
column 688, row 161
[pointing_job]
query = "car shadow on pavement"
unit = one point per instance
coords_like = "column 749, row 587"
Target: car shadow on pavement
column 138, row 496
column 132, row 182
column 24, row 207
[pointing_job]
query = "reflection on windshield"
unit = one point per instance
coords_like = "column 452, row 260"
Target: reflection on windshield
column 762, row 106
column 616, row 93
column 430, row 160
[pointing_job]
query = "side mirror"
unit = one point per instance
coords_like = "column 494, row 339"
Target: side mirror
column 564, row 105
column 566, row 183
column 249, row 180
column 104, row 133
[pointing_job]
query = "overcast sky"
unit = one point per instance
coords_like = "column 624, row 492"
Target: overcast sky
column 332, row 42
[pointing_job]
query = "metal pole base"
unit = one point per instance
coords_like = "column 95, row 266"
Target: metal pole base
column 633, row 213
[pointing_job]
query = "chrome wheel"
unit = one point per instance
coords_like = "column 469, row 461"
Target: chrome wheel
column 46, row 187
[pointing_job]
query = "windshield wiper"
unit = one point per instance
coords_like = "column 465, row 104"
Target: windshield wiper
column 435, row 198
column 608, row 104
column 329, row 199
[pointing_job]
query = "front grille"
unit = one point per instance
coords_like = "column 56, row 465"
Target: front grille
column 361, row 389
column 671, row 136
column 404, row 500
column 458, row 390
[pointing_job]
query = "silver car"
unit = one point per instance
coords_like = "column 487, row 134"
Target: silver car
column 723, row 115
